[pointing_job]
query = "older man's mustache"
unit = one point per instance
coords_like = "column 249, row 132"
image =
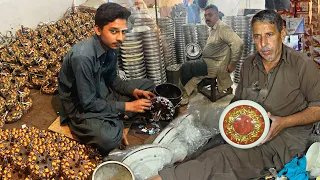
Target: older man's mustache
column 265, row 48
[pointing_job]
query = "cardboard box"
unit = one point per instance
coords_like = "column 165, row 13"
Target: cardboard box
column 307, row 42
column 308, row 30
column 308, row 53
column 315, row 8
column 295, row 25
column 316, row 25
column 316, row 42
column 316, row 31
column 316, row 52
column 294, row 41
column 307, row 16
column 285, row 14
column 292, row 8
column 315, row 18
column 304, row 6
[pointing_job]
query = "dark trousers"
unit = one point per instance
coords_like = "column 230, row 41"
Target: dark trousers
column 105, row 132
column 227, row 162
column 192, row 69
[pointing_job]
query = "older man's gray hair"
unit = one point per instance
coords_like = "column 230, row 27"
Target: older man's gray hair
column 269, row 16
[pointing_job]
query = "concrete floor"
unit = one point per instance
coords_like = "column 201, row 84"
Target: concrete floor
column 45, row 109
column 42, row 113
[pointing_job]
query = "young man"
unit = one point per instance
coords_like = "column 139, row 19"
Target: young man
column 220, row 56
column 287, row 84
column 93, row 97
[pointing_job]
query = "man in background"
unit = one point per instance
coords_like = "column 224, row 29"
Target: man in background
column 219, row 57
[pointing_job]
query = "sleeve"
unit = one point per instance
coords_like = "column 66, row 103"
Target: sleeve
column 310, row 82
column 235, row 44
column 87, row 90
column 116, row 83
column 122, row 87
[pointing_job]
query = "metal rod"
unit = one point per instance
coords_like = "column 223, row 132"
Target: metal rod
column 156, row 9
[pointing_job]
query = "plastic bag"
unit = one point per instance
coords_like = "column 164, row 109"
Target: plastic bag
column 187, row 133
column 181, row 138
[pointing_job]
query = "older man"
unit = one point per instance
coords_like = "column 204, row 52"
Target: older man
column 287, row 84
column 220, row 55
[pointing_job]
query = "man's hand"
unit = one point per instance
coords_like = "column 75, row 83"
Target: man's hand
column 230, row 68
column 278, row 124
column 138, row 106
column 137, row 93
column 157, row 177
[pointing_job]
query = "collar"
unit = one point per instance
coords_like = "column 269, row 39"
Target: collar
column 258, row 59
column 98, row 46
column 285, row 51
column 216, row 25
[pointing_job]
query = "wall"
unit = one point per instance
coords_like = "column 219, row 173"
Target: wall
column 30, row 13
column 234, row 7
column 14, row 13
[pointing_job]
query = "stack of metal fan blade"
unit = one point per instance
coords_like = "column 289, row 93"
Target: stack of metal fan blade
column 179, row 13
column 202, row 34
column 167, row 36
column 190, row 33
column 252, row 46
column 142, row 18
column 180, row 41
column 154, row 58
column 132, row 57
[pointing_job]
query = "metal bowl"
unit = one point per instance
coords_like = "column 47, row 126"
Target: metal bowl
column 169, row 91
column 131, row 47
column 112, row 170
column 150, row 39
column 138, row 66
column 132, row 59
column 131, row 43
column 153, row 53
column 132, row 63
column 132, row 38
column 131, row 51
column 139, row 75
column 132, row 55
column 133, row 34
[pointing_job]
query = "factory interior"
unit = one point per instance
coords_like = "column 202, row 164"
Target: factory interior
column 187, row 102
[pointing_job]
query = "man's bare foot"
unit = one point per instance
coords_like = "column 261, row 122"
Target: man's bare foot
column 124, row 141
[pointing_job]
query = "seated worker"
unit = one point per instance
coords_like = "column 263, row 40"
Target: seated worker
column 93, row 97
column 287, row 84
column 219, row 57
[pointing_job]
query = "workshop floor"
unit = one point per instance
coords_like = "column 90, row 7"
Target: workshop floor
column 42, row 113
column 44, row 110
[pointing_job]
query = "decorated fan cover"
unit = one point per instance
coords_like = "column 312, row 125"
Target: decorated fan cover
column 162, row 109
column 244, row 124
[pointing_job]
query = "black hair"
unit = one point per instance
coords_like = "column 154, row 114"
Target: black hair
column 220, row 15
column 109, row 12
column 211, row 6
column 269, row 16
